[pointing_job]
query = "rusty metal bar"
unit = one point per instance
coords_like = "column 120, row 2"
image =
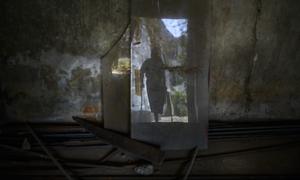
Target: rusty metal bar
column 54, row 160
column 191, row 164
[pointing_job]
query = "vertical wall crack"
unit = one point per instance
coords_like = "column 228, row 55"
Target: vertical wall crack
column 251, row 65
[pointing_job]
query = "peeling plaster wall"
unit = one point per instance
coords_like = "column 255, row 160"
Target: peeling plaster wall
column 51, row 69
column 50, row 56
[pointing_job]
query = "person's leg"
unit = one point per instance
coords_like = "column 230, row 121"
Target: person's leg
column 156, row 117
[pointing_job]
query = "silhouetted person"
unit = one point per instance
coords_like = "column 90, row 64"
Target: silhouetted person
column 153, row 68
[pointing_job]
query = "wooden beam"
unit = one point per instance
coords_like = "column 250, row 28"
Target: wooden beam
column 124, row 143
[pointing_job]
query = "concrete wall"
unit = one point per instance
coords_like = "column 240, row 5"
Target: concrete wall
column 255, row 59
column 51, row 68
column 50, row 55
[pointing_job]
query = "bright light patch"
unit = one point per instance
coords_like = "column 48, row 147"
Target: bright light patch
column 177, row 27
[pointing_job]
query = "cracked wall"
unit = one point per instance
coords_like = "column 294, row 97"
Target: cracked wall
column 255, row 57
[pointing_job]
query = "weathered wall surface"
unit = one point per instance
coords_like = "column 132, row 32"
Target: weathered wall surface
column 255, row 60
column 50, row 55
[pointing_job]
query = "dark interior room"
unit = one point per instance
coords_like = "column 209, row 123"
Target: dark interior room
column 149, row 89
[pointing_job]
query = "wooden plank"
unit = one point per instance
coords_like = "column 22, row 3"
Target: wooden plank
column 124, row 143
column 109, row 155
